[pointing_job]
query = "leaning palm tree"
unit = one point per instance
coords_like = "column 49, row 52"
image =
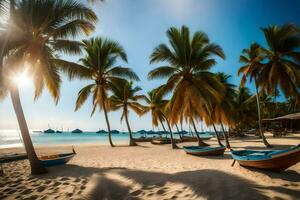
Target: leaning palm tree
column 125, row 97
column 282, row 68
column 189, row 60
column 252, row 59
column 157, row 105
column 41, row 30
column 223, row 112
column 98, row 65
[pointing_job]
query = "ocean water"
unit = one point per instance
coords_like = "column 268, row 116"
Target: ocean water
column 12, row 138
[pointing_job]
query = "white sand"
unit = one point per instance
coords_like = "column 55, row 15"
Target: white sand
column 149, row 172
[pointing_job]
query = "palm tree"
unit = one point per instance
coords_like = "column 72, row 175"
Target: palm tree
column 252, row 59
column 125, row 97
column 41, row 31
column 188, row 63
column 223, row 112
column 244, row 106
column 282, row 68
column 99, row 66
column 157, row 105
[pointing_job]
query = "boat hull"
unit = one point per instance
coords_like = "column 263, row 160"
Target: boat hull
column 61, row 159
column 161, row 141
column 274, row 164
column 193, row 139
column 205, row 151
column 276, row 160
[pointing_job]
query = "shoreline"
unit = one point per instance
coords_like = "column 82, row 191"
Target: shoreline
column 150, row 172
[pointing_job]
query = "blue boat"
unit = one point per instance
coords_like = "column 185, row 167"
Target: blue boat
column 59, row 159
column 204, row 151
column 274, row 160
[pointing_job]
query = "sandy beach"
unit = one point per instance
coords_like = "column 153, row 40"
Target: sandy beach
column 149, row 172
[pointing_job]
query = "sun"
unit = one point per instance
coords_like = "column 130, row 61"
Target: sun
column 22, row 79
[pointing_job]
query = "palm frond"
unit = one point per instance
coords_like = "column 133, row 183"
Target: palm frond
column 83, row 94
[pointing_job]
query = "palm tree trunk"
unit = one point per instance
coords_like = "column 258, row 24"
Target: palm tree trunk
column 106, row 117
column 178, row 132
column 225, row 137
column 259, row 116
column 131, row 140
column 200, row 141
column 218, row 138
column 174, row 146
column 162, row 125
column 35, row 163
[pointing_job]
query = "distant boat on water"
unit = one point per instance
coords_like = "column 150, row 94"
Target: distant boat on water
column 101, row 131
column 150, row 132
column 49, row 131
column 142, row 132
column 77, row 131
column 115, row 131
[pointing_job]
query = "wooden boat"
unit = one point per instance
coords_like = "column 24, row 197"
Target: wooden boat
column 274, row 160
column 12, row 158
column 58, row 159
column 204, row 151
column 161, row 141
column 143, row 139
column 194, row 139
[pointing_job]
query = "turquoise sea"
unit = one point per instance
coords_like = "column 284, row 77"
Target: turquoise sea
column 12, row 138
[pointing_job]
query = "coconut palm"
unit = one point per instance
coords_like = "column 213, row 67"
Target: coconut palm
column 252, row 59
column 223, row 112
column 157, row 105
column 244, row 115
column 41, row 30
column 189, row 60
column 98, row 65
column 125, row 97
column 282, row 67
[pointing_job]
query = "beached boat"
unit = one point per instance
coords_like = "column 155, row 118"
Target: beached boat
column 274, row 160
column 143, row 139
column 161, row 141
column 194, row 139
column 12, row 158
column 204, row 151
column 58, row 159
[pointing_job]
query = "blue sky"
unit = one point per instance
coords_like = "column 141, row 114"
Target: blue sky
column 139, row 26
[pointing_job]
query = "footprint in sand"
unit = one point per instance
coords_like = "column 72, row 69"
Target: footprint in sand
column 56, row 184
column 136, row 193
column 64, row 179
column 82, row 187
column 41, row 188
column 28, row 191
column 161, row 191
column 187, row 195
column 77, row 180
column 150, row 194
column 11, row 192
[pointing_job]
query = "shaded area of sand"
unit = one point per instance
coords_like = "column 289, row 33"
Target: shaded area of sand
column 150, row 172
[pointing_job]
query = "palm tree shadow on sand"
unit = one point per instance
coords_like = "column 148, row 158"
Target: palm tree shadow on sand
column 76, row 182
column 122, row 183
